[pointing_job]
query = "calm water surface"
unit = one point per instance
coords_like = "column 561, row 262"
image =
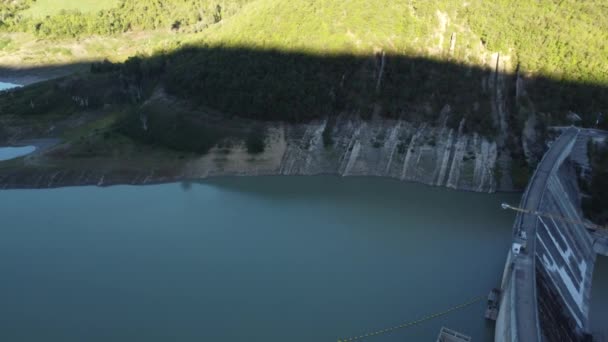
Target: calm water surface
column 247, row 259
column 7, row 153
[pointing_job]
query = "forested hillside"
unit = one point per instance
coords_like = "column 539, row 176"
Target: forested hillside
column 560, row 39
column 324, row 56
column 299, row 60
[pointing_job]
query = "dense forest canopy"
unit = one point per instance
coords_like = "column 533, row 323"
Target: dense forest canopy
column 116, row 16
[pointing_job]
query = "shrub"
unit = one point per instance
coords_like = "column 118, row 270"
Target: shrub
column 255, row 141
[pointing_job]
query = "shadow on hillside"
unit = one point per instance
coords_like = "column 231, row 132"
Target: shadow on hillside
column 290, row 86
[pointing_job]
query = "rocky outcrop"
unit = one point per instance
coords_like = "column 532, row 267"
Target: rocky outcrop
column 438, row 156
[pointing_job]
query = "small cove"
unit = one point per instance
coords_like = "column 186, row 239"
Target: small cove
column 6, row 86
column 7, row 153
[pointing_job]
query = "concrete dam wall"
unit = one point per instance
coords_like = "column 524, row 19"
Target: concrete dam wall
column 564, row 262
column 547, row 284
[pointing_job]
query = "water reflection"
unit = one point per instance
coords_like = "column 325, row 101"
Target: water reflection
column 186, row 185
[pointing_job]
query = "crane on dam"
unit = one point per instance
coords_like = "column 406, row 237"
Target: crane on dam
column 589, row 225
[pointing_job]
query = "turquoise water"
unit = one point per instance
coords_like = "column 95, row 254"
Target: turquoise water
column 247, row 259
column 7, row 153
column 4, row 86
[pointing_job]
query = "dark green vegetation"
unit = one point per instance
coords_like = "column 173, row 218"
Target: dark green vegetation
column 560, row 39
column 273, row 85
column 68, row 96
column 520, row 173
column 185, row 130
column 11, row 12
column 596, row 205
column 128, row 15
column 255, row 141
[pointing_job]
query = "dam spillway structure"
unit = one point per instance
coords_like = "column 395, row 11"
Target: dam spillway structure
column 546, row 284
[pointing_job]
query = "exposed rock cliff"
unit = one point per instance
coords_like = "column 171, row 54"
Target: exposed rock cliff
column 432, row 155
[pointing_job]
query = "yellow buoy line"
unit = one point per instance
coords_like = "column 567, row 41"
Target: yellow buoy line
column 415, row 322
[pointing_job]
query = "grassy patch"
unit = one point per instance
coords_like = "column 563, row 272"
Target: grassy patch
column 327, row 26
column 4, row 42
column 61, row 51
